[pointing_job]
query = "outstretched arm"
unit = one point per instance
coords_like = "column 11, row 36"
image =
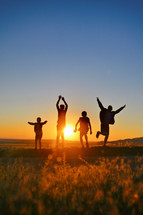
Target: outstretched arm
column 66, row 105
column 121, row 108
column 31, row 123
column 43, row 123
column 75, row 130
column 100, row 104
column 57, row 104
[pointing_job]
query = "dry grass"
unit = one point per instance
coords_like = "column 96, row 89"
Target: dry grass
column 104, row 187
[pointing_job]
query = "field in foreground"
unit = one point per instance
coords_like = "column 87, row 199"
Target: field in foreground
column 74, row 181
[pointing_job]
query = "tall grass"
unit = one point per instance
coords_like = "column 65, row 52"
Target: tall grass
column 107, row 187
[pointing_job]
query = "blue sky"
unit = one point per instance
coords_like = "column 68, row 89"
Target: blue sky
column 80, row 49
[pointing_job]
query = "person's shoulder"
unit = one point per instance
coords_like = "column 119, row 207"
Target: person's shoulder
column 113, row 112
column 105, row 110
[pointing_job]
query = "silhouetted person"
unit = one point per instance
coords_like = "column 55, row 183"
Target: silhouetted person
column 61, row 123
column 106, row 118
column 85, row 125
column 38, row 131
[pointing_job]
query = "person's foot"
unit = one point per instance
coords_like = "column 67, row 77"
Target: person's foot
column 97, row 134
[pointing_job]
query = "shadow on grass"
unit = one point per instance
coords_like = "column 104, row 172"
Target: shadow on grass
column 73, row 156
column 73, row 152
column 28, row 153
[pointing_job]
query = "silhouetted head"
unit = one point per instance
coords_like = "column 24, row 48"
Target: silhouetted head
column 38, row 119
column 110, row 108
column 84, row 113
column 62, row 107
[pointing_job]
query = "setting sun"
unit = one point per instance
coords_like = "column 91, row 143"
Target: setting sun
column 68, row 131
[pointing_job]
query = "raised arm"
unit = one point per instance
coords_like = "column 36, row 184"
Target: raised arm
column 100, row 104
column 43, row 123
column 31, row 123
column 57, row 104
column 66, row 105
column 121, row 108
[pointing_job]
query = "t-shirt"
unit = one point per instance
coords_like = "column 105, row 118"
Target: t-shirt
column 38, row 128
column 84, row 124
column 61, row 118
column 107, row 117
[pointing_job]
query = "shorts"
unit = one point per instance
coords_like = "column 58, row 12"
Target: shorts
column 105, row 129
column 38, row 136
column 60, row 127
column 83, row 131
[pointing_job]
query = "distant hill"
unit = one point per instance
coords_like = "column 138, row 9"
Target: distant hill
column 68, row 143
column 133, row 141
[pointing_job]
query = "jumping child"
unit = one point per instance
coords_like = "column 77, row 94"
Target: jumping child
column 85, row 125
column 38, row 131
column 106, row 117
column 61, row 123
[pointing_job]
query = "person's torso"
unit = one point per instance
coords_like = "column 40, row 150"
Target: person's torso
column 61, row 116
column 106, row 116
column 38, row 128
column 84, row 123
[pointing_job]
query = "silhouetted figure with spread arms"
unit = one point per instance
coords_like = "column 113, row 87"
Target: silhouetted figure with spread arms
column 85, row 125
column 61, row 123
column 38, row 131
column 106, row 118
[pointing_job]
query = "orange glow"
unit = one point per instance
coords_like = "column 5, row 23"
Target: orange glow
column 68, row 132
column 18, row 128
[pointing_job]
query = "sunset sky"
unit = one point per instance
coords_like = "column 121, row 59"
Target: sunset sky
column 80, row 49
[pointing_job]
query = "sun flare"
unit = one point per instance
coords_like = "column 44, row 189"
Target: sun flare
column 68, row 131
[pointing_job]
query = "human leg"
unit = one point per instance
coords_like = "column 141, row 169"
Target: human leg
column 81, row 139
column 106, row 133
column 39, row 143
column 35, row 141
column 97, row 134
column 102, row 130
column 62, row 137
column 86, row 140
column 57, row 139
column 106, row 138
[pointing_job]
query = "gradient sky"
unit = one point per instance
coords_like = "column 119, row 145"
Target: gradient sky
column 81, row 49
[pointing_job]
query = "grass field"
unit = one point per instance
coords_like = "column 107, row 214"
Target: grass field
column 101, row 180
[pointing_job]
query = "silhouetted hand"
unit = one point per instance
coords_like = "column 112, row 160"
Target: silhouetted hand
column 60, row 97
column 63, row 98
column 90, row 132
column 75, row 130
